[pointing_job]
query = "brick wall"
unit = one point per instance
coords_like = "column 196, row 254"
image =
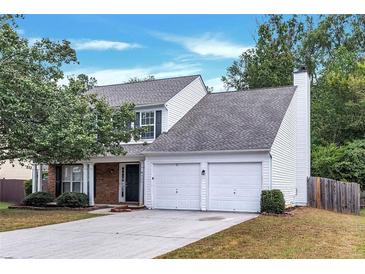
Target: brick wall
column 107, row 183
column 51, row 184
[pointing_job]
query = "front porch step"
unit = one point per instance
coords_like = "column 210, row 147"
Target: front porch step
column 123, row 205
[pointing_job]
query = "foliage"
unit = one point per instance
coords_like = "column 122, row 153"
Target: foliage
column 285, row 44
column 272, row 201
column 209, row 89
column 28, row 187
column 136, row 79
column 40, row 199
column 343, row 163
column 329, row 34
column 43, row 121
column 338, row 100
column 271, row 62
column 72, row 199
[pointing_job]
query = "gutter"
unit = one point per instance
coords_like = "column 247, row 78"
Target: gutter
column 203, row 152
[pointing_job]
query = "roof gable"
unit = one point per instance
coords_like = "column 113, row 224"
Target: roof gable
column 150, row 92
column 245, row 120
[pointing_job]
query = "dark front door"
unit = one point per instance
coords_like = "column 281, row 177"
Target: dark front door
column 132, row 183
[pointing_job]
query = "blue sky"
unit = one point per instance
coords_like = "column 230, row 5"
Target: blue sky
column 114, row 48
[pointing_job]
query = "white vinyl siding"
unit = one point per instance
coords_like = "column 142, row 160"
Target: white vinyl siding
column 283, row 152
column 302, row 81
column 203, row 159
column 15, row 171
column 183, row 101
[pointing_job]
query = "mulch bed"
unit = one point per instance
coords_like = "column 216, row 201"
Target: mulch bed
column 289, row 212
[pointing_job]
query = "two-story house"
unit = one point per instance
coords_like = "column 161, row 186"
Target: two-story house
column 200, row 151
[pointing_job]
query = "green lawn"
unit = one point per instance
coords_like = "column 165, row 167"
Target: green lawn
column 4, row 205
column 310, row 233
column 11, row 219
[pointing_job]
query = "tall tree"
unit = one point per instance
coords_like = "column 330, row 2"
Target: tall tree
column 44, row 122
column 284, row 44
column 338, row 100
column 272, row 60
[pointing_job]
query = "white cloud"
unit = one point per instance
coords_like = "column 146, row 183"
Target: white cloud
column 216, row 83
column 208, row 44
column 117, row 76
column 87, row 44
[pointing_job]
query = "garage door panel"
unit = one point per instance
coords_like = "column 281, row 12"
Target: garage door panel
column 165, row 204
column 234, row 186
column 177, row 186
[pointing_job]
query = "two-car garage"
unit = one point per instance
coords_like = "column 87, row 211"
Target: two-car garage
column 214, row 186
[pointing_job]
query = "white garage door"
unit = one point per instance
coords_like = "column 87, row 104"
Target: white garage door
column 176, row 186
column 234, row 187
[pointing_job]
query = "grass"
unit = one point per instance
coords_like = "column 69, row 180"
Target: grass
column 4, row 205
column 310, row 233
column 11, row 219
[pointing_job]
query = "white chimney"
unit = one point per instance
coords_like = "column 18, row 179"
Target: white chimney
column 303, row 145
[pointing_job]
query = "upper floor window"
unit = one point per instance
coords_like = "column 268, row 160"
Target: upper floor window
column 148, row 122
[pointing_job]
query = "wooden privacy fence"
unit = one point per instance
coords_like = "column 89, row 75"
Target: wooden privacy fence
column 333, row 195
column 11, row 190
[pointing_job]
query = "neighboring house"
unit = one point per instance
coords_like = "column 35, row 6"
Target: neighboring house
column 200, row 151
column 15, row 171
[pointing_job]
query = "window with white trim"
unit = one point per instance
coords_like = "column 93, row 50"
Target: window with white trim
column 71, row 178
column 148, row 122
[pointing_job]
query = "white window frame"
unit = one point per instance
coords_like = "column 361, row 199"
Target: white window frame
column 146, row 125
column 71, row 181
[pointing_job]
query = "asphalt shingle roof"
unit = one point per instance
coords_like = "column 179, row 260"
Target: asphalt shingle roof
column 242, row 120
column 143, row 93
column 134, row 149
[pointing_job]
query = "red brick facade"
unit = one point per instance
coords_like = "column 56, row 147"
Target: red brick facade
column 51, row 185
column 107, row 183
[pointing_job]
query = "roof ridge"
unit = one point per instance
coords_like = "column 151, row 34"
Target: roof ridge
column 254, row 89
column 149, row 80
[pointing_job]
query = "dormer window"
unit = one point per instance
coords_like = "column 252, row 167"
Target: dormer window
column 151, row 121
column 148, row 122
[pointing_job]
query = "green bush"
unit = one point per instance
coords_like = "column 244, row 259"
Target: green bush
column 28, row 187
column 272, row 201
column 342, row 163
column 38, row 199
column 73, row 199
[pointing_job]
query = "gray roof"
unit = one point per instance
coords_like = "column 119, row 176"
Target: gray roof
column 134, row 149
column 245, row 120
column 150, row 92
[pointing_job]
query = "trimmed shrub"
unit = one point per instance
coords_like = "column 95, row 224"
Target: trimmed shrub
column 38, row 199
column 272, row 201
column 73, row 199
column 28, row 187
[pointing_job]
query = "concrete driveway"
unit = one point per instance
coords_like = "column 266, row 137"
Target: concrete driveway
column 137, row 234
